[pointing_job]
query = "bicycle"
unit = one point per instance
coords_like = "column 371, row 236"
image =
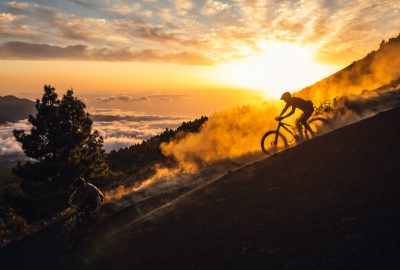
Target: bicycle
column 273, row 140
column 74, row 227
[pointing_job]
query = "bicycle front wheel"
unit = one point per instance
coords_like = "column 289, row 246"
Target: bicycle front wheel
column 71, row 237
column 272, row 142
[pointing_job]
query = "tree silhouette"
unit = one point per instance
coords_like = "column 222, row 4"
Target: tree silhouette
column 62, row 146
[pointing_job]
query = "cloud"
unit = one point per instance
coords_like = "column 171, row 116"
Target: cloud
column 136, row 118
column 166, row 15
column 124, row 130
column 73, row 28
column 8, row 17
column 106, row 99
column 197, row 32
column 125, row 9
column 8, row 144
column 163, row 35
column 19, row 5
column 22, row 50
column 123, row 98
column 11, row 26
column 67, row 26
column 115, row 143
column 212, row 8
column 86, row 4
column 183, row 6
column 117, row 130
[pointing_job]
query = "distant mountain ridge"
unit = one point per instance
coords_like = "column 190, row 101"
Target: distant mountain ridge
column 378, row 68
column 13, row 109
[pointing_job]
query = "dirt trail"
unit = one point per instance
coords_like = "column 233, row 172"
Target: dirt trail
column 329, row 203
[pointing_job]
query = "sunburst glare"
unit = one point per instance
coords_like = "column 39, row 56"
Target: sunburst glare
column 276, row 67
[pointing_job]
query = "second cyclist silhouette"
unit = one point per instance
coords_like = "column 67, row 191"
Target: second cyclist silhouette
column 304, row 105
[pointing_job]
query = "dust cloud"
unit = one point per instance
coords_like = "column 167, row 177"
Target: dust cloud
column 229, row 140
column 226, row 135
column 377, row 68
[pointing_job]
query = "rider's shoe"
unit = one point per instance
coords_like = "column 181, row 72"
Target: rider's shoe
column 298, row 138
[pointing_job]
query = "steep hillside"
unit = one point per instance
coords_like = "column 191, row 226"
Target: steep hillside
column 329, row 203
column 381, row 67
column 14, row 109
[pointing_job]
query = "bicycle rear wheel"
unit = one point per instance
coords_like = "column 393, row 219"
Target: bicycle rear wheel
column 272, row 142
column 315, row 123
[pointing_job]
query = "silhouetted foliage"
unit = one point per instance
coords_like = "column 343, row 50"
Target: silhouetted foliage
column 139, row 156
column 62, row 146
column 11, row 223
column 323, row 107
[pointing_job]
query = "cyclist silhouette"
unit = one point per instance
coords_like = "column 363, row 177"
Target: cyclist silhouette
column 305, row 105
column 86, row 197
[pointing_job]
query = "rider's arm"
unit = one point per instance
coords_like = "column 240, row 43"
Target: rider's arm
column 290, row 113
column 101, row 195
column 285, row 109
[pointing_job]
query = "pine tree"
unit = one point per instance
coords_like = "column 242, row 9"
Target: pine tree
column 62, row 146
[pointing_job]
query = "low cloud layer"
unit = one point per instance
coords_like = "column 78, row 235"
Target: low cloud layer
column 8, row 144
column 124, row 130
column 118, row 131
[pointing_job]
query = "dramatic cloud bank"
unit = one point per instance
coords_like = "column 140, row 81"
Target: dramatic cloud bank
column 121, row 129
column 190, row 32
column 8, row 145
column 23, row 50
column 118, row 130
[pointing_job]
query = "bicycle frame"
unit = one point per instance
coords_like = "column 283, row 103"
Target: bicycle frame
column 269, row 141
column 284, row 126
column 75, row 227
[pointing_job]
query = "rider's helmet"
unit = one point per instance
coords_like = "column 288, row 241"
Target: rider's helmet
column 285, row 96
column 79, row 182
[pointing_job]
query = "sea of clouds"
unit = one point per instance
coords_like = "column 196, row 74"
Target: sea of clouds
column 119, row 129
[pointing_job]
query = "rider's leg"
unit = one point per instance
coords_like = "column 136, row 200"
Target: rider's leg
column 307, row 126
column 303, row 121
column 93, row 207
column 98, row 203
column 299, row 128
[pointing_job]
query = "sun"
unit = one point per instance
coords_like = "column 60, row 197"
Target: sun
column 276, row 68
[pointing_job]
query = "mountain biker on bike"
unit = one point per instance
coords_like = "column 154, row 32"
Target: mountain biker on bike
column 86, row 197
column 305, row 105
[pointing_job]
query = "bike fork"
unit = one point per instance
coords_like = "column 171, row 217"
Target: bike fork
column 277, row 134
